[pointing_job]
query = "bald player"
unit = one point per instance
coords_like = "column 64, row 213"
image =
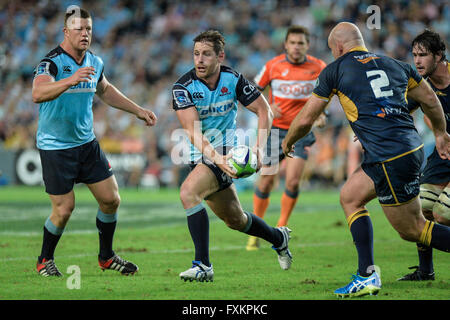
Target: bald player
column 377, row 111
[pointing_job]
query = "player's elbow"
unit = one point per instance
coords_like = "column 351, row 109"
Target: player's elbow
column 36, row 96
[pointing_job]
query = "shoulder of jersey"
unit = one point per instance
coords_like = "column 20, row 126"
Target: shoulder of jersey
column 187, row 78
column 277, row 59
column 227, row 69
column 96, row 57
column 54, row 53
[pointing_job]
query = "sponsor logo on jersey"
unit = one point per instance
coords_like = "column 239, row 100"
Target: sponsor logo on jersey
column 383, row 112
column 366, row 57
column 90, row 86
column 293, row 89
column 249, row 89
column 214, row 110
column 380, row 113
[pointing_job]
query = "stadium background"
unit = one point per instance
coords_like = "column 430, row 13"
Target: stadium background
column 147, row 45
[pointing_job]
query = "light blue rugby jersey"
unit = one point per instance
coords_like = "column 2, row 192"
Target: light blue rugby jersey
column 217, row 107
column 67, row 121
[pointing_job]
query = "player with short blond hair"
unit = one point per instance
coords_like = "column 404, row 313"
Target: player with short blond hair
column 64, row 85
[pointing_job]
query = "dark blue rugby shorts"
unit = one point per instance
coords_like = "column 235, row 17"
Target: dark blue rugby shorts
column 61, row 169
column 274, row 153
column 437, row 170
column 397, row 179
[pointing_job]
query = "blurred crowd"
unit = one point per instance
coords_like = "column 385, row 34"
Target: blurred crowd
column 147, row 45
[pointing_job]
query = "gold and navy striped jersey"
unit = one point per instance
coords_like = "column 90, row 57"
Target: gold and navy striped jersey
column 372, row 89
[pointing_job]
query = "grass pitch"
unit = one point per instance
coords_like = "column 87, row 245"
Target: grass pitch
column 152, row 232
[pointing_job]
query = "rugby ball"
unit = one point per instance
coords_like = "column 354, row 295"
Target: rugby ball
column 243, row 160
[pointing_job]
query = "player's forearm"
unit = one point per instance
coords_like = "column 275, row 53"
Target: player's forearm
column 113, row 97
column 265, row 119
column 304, row 121
column 436, row 117
column 203, row 145
column 300, row 127
column 431, row 106
column 48, row 91
column 296, row 131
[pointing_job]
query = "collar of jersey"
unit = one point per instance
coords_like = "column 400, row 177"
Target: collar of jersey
column 358, row 48
column 296, row 63
column 68, row 54
column 204, row 82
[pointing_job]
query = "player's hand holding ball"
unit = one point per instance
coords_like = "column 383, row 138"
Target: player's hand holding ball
column 243, row 160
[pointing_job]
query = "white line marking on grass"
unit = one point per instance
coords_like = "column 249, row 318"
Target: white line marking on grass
column 188, row 250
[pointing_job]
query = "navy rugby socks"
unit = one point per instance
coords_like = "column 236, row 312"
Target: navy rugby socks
column 259, row 228
column 436, row 236
column 362, row 232
column 52, row 234
column 106, row 225
column 198, row 224
column 425, row 258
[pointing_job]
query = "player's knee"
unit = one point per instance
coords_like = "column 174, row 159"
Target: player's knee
column 187, row 197
column 351, row 202
column 410, row 235
column 235, row 222
column 345, row 198
column 63, row 211
column 236, row 219
column 110, row 204
column 411, row 231
column 266, row 183
column 292, row 185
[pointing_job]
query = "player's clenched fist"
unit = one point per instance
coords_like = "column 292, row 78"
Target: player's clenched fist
column 82, row 75
column 148, row 116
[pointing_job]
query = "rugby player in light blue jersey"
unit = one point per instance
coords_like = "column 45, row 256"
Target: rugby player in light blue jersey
column 429, row 58
column 372, row 90
column 64, row 86
column 205, row 100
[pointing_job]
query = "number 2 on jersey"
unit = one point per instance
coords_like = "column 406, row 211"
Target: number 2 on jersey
column 378, row 83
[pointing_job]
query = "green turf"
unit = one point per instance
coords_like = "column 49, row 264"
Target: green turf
column 152, row 232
